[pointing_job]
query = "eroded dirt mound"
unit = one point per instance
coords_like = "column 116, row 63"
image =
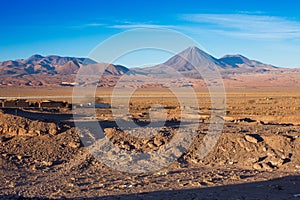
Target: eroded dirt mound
column 35, row 144
column 140, row 144
column 252, row 146
column 16, row 125
column 44, row 164
column 253, row 151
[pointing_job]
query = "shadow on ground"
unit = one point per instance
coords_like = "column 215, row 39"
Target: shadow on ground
column 280, row 188
column 68, row 119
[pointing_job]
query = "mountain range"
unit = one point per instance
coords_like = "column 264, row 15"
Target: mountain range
column 192, row 59
column 42, row 70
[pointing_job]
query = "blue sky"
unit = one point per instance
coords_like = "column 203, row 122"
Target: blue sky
column 268, row 31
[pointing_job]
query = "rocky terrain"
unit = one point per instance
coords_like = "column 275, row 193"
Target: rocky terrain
column 253, row 159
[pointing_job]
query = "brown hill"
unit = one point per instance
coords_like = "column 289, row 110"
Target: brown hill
column 243, row 64
column 52, row 65
column 38, row 70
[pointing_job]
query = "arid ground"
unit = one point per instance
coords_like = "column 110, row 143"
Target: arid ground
column 256, row 157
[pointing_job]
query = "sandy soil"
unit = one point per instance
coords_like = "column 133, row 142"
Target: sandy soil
column 256, row 157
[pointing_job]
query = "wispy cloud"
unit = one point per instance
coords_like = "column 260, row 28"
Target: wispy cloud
column 94, row 24
column 246, row 25
column 124, row 24
column 243, row 24
column 88, row 25
column 129, row 26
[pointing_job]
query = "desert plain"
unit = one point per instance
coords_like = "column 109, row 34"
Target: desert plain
column 256, row 157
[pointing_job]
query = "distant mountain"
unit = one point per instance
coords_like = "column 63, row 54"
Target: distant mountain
column 192, row 59
column 185, row 62
column 239, row 61
column 37, row 64
column 38, row 70
column 55, row 60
